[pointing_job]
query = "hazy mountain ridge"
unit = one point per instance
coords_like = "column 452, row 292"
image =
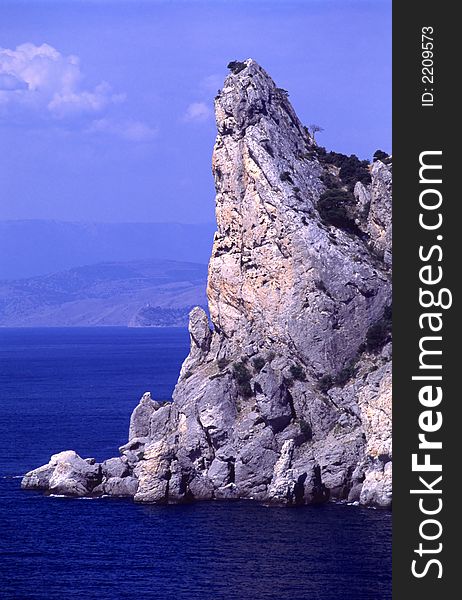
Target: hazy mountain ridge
column 24, row 253
column 148, row 293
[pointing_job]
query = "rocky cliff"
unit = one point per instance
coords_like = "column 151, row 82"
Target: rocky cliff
column 286, row 397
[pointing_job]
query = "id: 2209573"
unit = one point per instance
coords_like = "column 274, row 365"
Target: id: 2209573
column 427, row 65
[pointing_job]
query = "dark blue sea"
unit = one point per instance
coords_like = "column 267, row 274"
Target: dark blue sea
column 75, row 389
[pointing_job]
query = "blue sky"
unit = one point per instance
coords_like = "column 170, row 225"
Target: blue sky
column 106, row 107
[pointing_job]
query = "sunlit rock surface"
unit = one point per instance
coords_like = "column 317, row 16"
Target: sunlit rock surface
column 285, row 396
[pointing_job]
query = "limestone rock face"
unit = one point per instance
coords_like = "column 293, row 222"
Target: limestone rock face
column 285, row 396
column 114, row 467
column 121, row 487
column 379, row 218
column 375, row 406
column 139, row 421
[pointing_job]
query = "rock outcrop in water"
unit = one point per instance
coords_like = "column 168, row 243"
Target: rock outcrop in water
column 286, row 398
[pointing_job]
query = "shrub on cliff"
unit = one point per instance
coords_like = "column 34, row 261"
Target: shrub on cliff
column 382, row 156
column 242, row 377
column 351, row 168
column 258, row 363
column 325, row 383
column 235, row 66
column 331, row 182
column 333, row 210
column 297, row 372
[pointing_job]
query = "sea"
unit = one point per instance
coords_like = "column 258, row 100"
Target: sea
column 74, row 389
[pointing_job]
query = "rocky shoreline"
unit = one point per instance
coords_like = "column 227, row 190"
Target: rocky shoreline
column 286, row 397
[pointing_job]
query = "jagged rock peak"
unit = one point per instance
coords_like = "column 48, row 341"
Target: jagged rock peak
column 287, row 397
column 277, row 274
column 249, row 95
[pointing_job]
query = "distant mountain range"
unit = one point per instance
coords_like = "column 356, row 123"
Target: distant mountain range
column 30, row 248
column 134, row 293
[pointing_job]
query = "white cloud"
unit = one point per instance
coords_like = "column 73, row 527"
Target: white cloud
column 128, row 129
column 39, row 78
column 197, row 112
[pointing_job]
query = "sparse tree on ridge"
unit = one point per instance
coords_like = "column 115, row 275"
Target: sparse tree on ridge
column 314, row 129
